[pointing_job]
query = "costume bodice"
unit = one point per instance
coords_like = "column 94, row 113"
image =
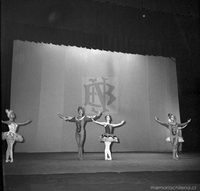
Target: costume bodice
column 12, row 127
column 174, row 129
column 108, row 129
column 80, row 123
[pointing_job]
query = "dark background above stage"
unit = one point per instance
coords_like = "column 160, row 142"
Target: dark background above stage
column 148, row 27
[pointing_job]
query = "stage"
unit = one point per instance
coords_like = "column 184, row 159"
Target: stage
column 127, row 171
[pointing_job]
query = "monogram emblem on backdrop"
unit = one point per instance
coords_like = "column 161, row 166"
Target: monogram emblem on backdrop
column 100, row 94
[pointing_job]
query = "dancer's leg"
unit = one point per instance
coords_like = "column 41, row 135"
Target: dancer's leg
column 80, row 138
column 82, row 142
column 174, row 148
column 176, row 144
column 107, row 151
column 9, row 151
column 81, row 151
column 175, row 152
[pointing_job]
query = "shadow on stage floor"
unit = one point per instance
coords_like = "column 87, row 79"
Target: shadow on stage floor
column 127, row 171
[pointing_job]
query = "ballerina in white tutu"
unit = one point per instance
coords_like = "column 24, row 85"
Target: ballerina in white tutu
column 175, row 139
column 108, row 137
column 11, row 136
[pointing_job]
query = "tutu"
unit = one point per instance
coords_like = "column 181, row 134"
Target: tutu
column 109, row 138
column 12, row 136
column 168, row 139
column 180, row 139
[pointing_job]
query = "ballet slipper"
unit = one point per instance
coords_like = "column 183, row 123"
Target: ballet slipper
column 80, row 158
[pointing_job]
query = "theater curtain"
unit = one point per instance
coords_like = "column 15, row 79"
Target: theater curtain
column 50, row 79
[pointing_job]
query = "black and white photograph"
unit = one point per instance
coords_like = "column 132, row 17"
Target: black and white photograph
column 100, row 95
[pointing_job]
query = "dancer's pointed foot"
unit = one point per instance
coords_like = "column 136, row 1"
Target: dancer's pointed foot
column 80, row 158
column 7, row 160
column 175, row 158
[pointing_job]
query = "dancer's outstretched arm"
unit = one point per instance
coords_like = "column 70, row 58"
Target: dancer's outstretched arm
column 24, row 123
column 160, row 122
column 182, row 127
column 119, row 124
column 184, row 124
column 94, row 117
column 65, row 118
column 6, row 122
column 98, row 123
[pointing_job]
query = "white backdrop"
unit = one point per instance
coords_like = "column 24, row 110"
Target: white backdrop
column 49, row 79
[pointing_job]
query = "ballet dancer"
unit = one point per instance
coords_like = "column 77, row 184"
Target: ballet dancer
column 80, row 133
column 175, row 139
column 108, row 137
column 11, row 136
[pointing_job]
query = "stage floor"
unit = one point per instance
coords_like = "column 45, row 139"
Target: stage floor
column 126, row 172
column 57, row 163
